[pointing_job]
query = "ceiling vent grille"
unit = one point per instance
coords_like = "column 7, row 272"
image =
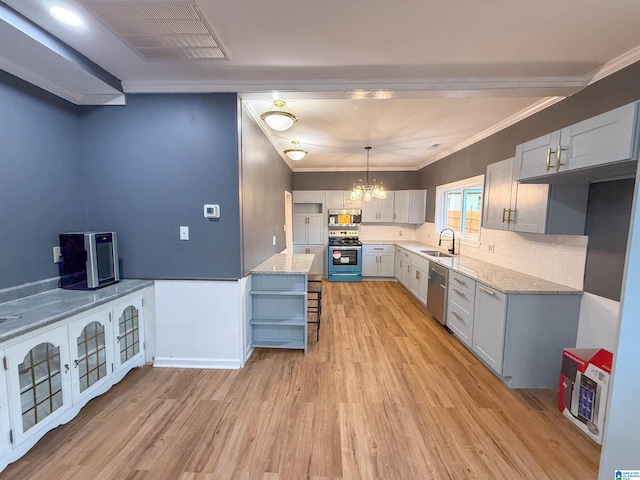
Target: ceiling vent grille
column 161, row 29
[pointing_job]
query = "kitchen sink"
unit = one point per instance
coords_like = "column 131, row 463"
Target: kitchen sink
column 436, row 253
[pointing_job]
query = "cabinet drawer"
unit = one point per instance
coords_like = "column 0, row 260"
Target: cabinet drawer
column 464, row 301
column 378, row 248
column 460, row 323
column 462, row 283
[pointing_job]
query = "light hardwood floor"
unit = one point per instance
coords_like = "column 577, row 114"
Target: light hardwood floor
column 386, row 393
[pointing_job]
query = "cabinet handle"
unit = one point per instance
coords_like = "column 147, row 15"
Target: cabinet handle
column 66, row 368
column 548, row 159
column 407, row 268
column 457, row 315
column 509, row 217
column 559, row 158
column 378, row 248
column 77, row 362
column 460, row 281
column 417, row 274
column 459, row 292
column 486, row 290
column 504, row 213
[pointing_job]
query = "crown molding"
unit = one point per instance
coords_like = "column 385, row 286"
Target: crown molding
column 614, row 65
column 354, row 169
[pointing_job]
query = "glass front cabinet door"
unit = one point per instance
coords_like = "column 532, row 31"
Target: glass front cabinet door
column 39, row 382
column 91, row 345
column 128, row 329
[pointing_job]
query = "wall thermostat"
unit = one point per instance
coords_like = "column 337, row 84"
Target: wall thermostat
column 211, row 211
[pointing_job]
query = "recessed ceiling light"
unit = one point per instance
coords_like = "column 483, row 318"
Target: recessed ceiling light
column 66, row 16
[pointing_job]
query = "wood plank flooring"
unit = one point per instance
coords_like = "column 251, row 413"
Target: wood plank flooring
column 386, row 393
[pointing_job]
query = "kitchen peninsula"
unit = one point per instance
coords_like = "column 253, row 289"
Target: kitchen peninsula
column 278, row 312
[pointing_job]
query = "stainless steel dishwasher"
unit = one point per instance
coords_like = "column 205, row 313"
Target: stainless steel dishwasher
column 437, row 292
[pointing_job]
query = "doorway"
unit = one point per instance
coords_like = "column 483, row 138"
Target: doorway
column 288, row 221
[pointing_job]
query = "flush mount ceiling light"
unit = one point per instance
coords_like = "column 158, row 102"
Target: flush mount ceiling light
column 295, row 153
column 365, row 190
column 66, row 16
column 279, row 119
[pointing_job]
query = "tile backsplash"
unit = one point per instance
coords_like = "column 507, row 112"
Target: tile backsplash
column 558, row 258
column 387, row 232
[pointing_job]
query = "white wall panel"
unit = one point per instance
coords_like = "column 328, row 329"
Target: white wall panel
column 598, row 327
column 199, row 324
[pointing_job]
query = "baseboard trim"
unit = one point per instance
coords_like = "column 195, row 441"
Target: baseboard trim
column 212, row 363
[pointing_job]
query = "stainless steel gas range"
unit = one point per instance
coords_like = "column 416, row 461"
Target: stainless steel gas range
column 345, row 256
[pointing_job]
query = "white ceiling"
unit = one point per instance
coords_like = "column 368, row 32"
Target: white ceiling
column 450, row 73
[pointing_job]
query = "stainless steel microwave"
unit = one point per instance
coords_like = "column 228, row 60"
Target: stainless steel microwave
column 89, row 260
column 345, row 218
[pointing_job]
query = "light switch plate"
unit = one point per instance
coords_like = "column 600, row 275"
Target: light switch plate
column 184, row 233
column 57, row 256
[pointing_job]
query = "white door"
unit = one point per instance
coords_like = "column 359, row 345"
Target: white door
column 385, row 208
column 536, row 157
column 530, row 207
column 39, row 382
column 489, row 322
column 315, row 228
column 334, row 199
column 386, row 264
column 128, row 330
column 91, row 351
column 497, row 195
column 317, row 267
column 369, row 262
column 417, row 206
column 605, row 138
column 299, row 228
column 401, row 206
column 370, row 211
column 398, row 264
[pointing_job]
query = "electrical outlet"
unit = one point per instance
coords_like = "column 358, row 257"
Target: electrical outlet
column 57, row 256
column 184, row 233
column 492, row 247
column 399, row 233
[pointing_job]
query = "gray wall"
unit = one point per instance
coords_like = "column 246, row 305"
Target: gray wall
column 345, row 180
column 265, row 177
column 150, row 166
column 608, row 217
column 40, row 183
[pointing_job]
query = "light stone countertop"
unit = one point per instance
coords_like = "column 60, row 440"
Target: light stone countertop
column 500, row 278
column 283, row 263
column 35, row 311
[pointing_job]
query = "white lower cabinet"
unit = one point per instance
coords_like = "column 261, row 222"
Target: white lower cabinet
column 378, row 260
column 419, row 277
column 52, row 372
column 128, row 328
column 520, row 336
column 39, row 383
column 402, row 270
column 317, row 267
column 490, row 315
column 92, row 354
column 460, row 307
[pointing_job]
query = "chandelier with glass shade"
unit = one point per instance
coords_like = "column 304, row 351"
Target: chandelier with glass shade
column 365, row 190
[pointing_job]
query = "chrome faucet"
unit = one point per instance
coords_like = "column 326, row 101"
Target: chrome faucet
column 452, row 250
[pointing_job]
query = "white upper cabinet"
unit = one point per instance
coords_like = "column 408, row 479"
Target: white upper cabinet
column 378, row 210
column 308, row 196
column 532, row 208
column 605, row 139
column 409, row 206
column 340, row 199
